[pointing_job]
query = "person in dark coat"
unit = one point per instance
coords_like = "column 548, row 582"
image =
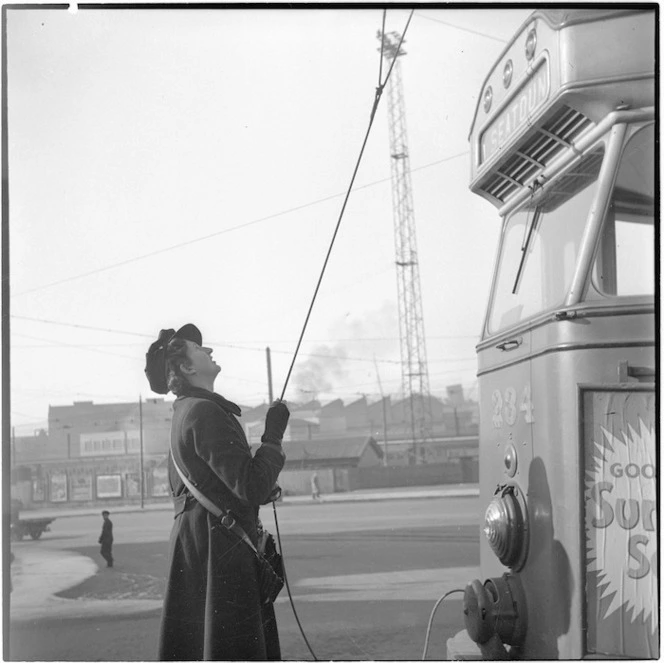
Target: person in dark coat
column 212, row 606
column 106, row 539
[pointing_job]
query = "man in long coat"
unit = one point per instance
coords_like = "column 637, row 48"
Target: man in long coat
column 212, row 606
column 106, row 539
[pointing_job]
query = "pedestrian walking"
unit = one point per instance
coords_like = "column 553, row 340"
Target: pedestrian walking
column 106, row 539
column 213, row 608
column 315, row 488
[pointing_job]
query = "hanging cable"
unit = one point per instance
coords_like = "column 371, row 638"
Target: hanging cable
column 433, row 612
column 379, row 92
column 290, row 596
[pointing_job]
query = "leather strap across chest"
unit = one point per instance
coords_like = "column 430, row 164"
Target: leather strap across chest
column 226, row 519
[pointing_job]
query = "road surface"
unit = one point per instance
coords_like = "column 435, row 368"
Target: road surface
column 364, row 577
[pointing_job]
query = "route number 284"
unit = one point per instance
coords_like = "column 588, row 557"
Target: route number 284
column 506, row 409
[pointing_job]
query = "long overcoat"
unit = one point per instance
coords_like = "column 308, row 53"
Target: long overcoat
column 106, row 536
column 212, row 609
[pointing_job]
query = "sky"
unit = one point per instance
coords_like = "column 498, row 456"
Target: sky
column 171, row 166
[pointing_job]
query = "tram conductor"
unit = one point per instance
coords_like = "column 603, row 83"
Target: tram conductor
column 212, row 605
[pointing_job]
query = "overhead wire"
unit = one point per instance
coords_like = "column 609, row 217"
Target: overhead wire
column 458, row 27
column 288, row 340
column 241, row 226
column 234, row 346
column 74, row 346
column 276, row 214
column 93, row 348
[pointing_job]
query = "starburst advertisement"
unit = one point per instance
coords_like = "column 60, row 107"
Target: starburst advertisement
column 621, row 523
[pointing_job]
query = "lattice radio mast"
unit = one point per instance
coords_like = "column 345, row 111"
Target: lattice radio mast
column 414, row 366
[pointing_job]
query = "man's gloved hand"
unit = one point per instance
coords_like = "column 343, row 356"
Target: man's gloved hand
column 275, row 423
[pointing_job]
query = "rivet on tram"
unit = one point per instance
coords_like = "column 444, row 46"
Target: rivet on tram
column 531, row 43
column 488, row 98
column 507, row 73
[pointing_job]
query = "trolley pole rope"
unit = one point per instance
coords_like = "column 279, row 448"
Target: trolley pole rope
column 379, row 92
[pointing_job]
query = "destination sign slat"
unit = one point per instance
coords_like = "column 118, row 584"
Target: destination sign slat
column 516, row 113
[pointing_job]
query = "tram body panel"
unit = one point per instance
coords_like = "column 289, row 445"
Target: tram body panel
column 550, row 451
column 555, row 574
column 504, row 390
column 562, row 143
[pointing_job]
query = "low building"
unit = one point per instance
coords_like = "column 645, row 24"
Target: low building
column 332, row 452
column 334, row 460
column 117, row 452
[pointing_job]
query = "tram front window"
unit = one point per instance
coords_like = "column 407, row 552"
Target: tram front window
column 625, row 263
column 540, row 246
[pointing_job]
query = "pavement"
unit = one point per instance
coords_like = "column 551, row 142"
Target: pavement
column 35, row 584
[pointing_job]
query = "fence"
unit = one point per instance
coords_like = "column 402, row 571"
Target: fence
column 338, row 480
column 61, row 488
column 298, row 482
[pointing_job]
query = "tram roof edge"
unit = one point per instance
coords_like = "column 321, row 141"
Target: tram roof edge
column 558, row 19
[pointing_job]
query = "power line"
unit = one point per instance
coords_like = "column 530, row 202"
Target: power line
column 211, row 342
column 132, row 358
column 224, row 231
column 80, row 345
column 358, row 339
column 74, row 346
column 143, row 335
column 78, row 326
column 458, row 27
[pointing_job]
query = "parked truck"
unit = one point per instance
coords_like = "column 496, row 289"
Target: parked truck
column 22, row 524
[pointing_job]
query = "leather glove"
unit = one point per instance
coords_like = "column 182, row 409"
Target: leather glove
column 275, row 495
column 275, row 423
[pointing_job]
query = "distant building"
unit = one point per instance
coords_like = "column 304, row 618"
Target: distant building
column 331, row 453
column 94, row 452
column 86, row 429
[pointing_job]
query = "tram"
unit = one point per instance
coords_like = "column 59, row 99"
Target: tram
column 563, row 145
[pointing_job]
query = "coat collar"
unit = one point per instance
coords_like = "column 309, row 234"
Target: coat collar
column 227, row 405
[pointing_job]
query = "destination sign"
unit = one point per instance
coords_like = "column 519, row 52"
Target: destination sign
column 516, row 113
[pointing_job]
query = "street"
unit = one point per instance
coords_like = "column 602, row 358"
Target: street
column 364, row 576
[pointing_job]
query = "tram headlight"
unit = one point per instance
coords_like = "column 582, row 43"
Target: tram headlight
column 531, row 44
column 507, row 73
column 506, row 526
column 488, row 98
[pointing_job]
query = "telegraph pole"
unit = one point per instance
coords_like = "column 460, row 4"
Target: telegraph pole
column 140, row 445
column 382, row 398
column 414, row 365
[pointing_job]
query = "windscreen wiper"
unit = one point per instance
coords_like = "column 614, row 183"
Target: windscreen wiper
column 525, row 246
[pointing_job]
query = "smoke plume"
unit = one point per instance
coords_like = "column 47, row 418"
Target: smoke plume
column 326, row 368
column 317, row 374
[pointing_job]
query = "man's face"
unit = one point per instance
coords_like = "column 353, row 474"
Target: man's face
column 200, row 360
